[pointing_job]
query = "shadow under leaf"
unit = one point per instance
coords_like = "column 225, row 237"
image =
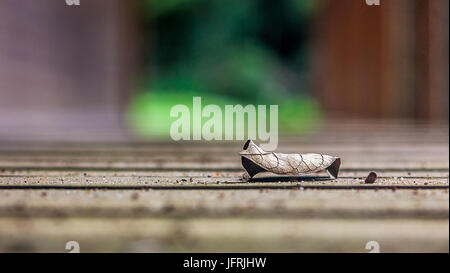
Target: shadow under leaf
column 290, row 179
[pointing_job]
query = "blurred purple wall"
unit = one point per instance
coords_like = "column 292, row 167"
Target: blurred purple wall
column 65, row 70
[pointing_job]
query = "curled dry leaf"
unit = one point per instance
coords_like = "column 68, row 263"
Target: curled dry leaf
column 256, row 160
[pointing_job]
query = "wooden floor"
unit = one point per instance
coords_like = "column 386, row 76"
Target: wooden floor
column 164, row 196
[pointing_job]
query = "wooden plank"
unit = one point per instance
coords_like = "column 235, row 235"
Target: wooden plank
column 218, row 182
column 222, row 235
column 214, row 203
column 207, row 164
column 344, row 173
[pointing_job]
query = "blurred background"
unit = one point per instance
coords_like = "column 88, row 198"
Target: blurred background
column 111, row 69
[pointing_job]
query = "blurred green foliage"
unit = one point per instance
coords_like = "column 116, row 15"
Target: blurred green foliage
column 227, row 52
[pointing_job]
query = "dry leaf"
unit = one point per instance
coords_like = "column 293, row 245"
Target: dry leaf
column 256, row 160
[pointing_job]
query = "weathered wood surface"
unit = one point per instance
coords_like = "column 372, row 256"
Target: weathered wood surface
column 164, row 196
